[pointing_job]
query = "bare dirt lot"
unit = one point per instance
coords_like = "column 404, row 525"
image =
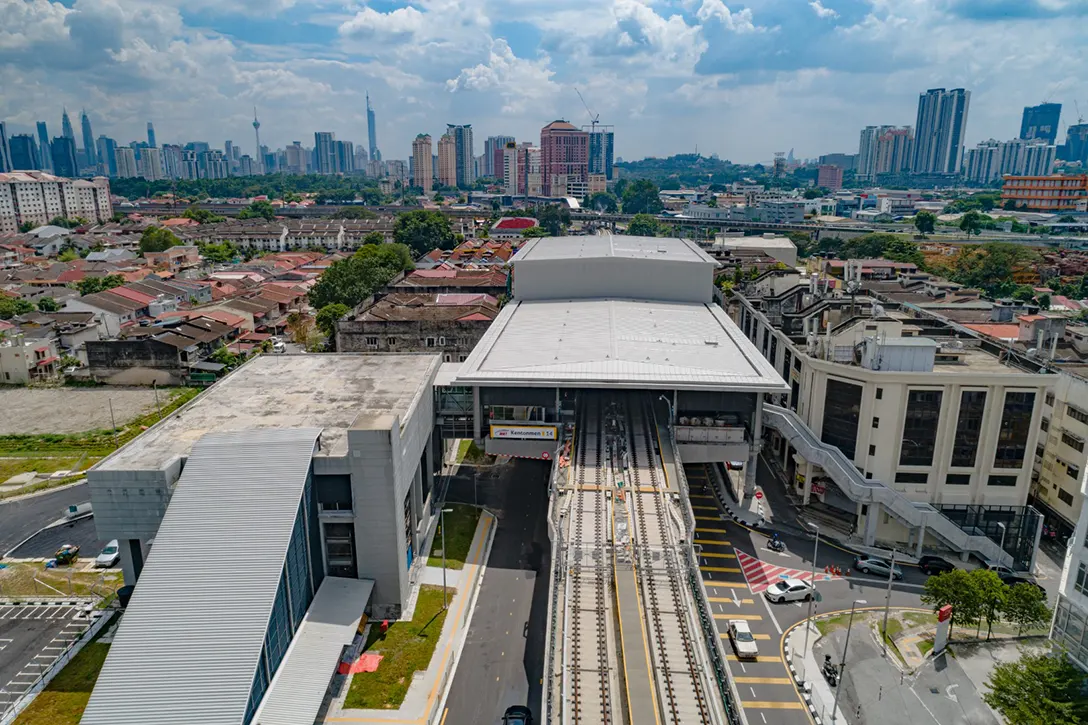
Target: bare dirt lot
column 71, row 410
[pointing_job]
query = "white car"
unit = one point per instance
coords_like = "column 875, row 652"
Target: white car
column 743, row 642
column 789, row 590
column 109, row 556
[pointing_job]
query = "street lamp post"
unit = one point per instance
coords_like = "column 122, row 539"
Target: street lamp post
column 842, row 667
column 887, row 606
column 442, row 525
column 811, row 599
column 1001, row 526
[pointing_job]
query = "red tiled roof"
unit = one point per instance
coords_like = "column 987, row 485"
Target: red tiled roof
column 515, row 223
column 998, row 331
column 1030, row 318
column 47, row 360
column 474, row 317
column 130, row 294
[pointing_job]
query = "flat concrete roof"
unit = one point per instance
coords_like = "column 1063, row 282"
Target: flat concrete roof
column 610, row 343
column 333, row 392
column 672, row 249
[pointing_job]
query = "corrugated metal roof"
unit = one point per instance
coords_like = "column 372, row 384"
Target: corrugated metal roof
column 190, row 641
column 329, row 625
column 618, row 343
column 608, row 245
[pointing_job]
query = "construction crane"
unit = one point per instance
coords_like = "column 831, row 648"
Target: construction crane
column 594, row 119
column 1080, row 118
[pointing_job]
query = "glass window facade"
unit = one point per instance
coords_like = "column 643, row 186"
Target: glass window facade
column 1012, row 439
column 1071, row 630
column 842, row 408
column 920, row 427
column 968, row 427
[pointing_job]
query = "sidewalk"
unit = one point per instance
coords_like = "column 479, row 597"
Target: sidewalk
column 818, row 694
column 427, row 690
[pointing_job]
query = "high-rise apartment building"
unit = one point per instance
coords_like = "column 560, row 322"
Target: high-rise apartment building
column 939, row 131
column 362, row 157
column 992, row 159
column 601, row 150
column 564, row 157
column 150, row 165
column 126, row 162
column 63, row 149
column 829, row 177
column 510, row 174
column 466, row 161
column 43, row 146
column 151, row 135
column 1076, row 144
column 36, row 197
column 345, row 157
column 1041, row 122
column 88, row 142
column 325, row 152
column 24, row 153
column 372, row 131
column 884, row 150
column 493, row 154
column 5, row 149
column 172, row 162
column 66, row 127
column 421, row 163
column 447, row 160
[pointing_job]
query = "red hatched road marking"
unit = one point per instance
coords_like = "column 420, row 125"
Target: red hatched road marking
column 761, row 574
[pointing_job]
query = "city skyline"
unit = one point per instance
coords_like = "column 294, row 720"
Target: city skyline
column 674, row 73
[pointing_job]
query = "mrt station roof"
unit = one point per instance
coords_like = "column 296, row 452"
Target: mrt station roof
column 610, row 343
column 612, row 246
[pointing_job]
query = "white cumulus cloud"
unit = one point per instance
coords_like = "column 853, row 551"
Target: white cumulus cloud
column 821, row 11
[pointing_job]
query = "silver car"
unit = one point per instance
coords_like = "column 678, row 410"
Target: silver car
column 743, row 642
column 789, row 590
column 109, row 555
column 875, row 565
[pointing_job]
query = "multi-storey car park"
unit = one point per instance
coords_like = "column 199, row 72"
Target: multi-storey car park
column 613, row 363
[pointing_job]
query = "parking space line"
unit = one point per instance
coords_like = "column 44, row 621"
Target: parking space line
column 714, row 555
column 700, row 530
column 725, row 635
column 730, row 600
column 724, row 569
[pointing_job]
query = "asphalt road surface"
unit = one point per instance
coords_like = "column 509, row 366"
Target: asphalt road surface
column 44, row 544
column 20, row 519
column 29, row 642
column 502, row 660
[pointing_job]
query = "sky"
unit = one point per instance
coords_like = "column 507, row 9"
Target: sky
column 672, row 76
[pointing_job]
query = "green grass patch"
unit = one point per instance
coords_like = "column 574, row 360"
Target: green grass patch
column 18, row 580
column 14, row 465
column 925, row 646
column 917, row 619
column 460, row 528
column 832, row 623
column 62, row 702
column 894, row 627
column 407, row 648
column 469, row 452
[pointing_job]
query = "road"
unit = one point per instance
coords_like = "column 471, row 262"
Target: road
column 502, row 660
column 736, row 568
column 44, row 544
column 20, row 519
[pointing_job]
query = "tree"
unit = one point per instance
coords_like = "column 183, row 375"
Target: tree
column 202, row 216
column 354, row 212
column 68, row 255
column 533, row 232
column 554, row 217
column 260, row 209
column 10, row 307
column 423, row 230
column 301, row 328
column 328, row 316
column 226, row 358
column 901, row 250
column 641, row 197
column 926, row 222
column 218, row 253
column 374, row 238
column 1044, row 301
column 991, row 594
column 69, row 222
column 1024, row 293
column 603, row 201
column 157, row 239
column 814, row 193
column 957, row 589
column 48, row 304
column 971, row 223
column 1025, row 606
column 1067, row 219
column 1042, row 688
column 90, row 285
column 26, row 227
column 642, row 225
column 350, row 281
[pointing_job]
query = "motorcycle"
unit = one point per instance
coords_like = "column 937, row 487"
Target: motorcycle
column 776, row 545
column 831, row 673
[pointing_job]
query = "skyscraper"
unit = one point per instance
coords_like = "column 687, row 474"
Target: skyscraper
column 493, row 151
column 421, row 163
column 372, row 131
column 564, row 157
column 63, row 149
column 1076, row 143
column 126, row 163
column 88, row 141
column 466, row 160
column 24, row 153
column 325, row 152
column 257, row 132
column 510, row 173
column 66, row 127
column 884, row 150
column 345, row 157
column 107, row 156
column 5, row 149
column 447, row 160
column 1041, row 122
column 151, row 135
column 43, row 145
column 939, row 131
column 602, row 141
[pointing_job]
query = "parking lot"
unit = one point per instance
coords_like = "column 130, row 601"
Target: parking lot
column 44, row 544
column 31, row 639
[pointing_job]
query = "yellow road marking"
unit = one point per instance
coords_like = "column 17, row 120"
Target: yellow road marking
column 765, row 705
column 762, row 680
column 713, row 555
column 727, row 600
column 712, row 542
column 711, row 531
column 729, row 585
column 704, row 508
column 757, row 636
column 701, row 497
column 761, row 658
column 709, row 518
column 752, row 617
column 726, row 569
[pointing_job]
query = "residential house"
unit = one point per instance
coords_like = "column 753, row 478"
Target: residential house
column 26, row 359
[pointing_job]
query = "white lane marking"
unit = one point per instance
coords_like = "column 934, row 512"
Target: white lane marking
column 768, row 608
column 753, row 691
column 720, row 607
column 764, row 717
column 733, row 593
column 742, row 667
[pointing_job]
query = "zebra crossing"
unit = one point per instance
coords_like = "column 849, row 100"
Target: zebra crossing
column 37, row 611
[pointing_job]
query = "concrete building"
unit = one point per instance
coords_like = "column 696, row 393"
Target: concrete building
column 37, row 197
column 1061, row 462
column 421, row 163
column 126, row 163
column 5, row 149
column 493, row 152
column 325, row 152
column 447, row 161
column 884, row 150
column 509, row 169
column 63, row 150
column 464, row 157
column 829, row 177
column 940, row 131
column 1041, row 122
column 1047, row 193
column 1070, row 627
column 564, row 157
column 26, row 360
column 992, row 159
column 150, row 165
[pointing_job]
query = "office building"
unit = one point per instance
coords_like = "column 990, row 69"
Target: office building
column 493, row 150
column 601, row 150
column 465, row 159
column 63, row 150
column 1047, row 193
column 447, row 161
column 421, row 163
column 510, row 175
column 295, row 158
column 1076, row 144
column 126, row 162
column 150, row 164
column 43, row 146
column 325, row 152
column 846, row 162
column 24, row 153
column 530, row 178
column 564, row 157
column 345, row 157
column 372, row 132
column 939, row 131
column 151, row 135
column 829, row 177
column 1041, row 122
column 90, row 155
column 107, row 156
column 36, row 197
column 5, row 149
column 361, row 157
column 66, row 127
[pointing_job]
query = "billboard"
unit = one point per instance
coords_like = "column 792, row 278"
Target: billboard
column 524, row 432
